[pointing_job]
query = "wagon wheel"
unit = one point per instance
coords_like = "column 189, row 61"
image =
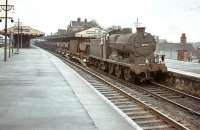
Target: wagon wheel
column 96, row 64
column 111, row 69
column 106, row 67
column 103, row 66
column 118, row 72
column 99, row 64
column 127, row 74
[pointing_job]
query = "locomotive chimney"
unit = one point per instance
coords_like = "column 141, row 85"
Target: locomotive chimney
column 85, row 20
column 78, row 19
column 140, row 30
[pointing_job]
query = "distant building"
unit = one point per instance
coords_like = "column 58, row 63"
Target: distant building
column 198, row 53
column 77, row 30
column 171, row 50
column 196, row 45
column 77, row 26
column 113, row 28
column 61, row 32
column 162, row 41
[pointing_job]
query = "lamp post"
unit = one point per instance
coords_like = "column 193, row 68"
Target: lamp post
column 6, row 8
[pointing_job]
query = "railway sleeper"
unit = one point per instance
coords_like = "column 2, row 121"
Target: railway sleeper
column 149, row 121
column 116, row 102
column 103, row 91
column 97, row 84
column 156, row 91
column 154, row 123
column 102, row 87
column 126, row 110
column 136, row 108
column 160, row 93
column 128, row 106
column 108, row 94
column 93, row 82
column 117, row 97
column 138, row 113
column 166, row 94
column 143, row 117
column 134, row 95
column 174, row 97
column 111, row 94
column 119, row 100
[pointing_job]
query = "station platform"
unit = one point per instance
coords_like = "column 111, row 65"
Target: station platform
column 185, row 68
column 39, row 92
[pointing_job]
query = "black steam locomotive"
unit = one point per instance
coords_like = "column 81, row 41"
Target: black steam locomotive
column 125, row 55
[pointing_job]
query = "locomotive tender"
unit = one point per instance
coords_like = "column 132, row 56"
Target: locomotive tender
column 125, row 55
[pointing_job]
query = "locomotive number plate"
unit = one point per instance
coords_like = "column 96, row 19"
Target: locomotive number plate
column 144, row 45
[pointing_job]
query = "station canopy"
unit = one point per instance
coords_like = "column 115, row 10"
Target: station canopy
column 24, row 30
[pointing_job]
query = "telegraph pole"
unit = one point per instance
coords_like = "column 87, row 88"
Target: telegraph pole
column 6, row 8
column 6, row 16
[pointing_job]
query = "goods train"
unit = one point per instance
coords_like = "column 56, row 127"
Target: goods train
column 125, row 55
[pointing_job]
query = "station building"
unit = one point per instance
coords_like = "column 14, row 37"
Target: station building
column 22, row 35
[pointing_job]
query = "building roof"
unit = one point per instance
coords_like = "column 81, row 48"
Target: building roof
column 25, row 30
column 91, row 32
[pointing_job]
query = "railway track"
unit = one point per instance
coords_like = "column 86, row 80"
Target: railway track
column 185, row 101
column 146, row 115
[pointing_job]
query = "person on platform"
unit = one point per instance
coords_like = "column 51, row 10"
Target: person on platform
column 162, row 58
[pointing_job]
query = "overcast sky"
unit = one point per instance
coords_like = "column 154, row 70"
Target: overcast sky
column 165, row 18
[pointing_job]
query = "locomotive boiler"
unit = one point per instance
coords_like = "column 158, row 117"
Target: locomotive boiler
column 132, row 48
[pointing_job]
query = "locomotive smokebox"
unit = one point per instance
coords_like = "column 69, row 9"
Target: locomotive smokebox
column 140, row 30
